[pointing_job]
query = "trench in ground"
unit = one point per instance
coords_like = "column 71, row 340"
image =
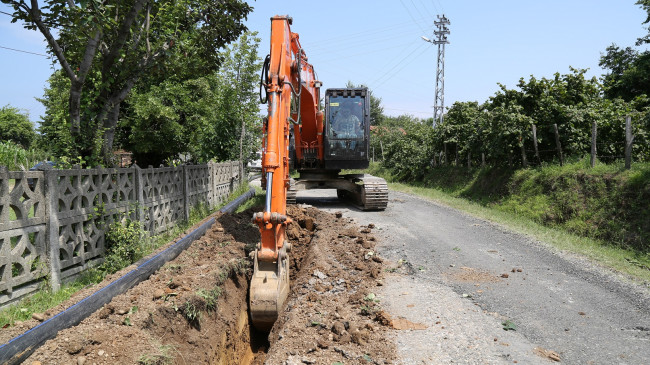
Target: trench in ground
column 194, row 310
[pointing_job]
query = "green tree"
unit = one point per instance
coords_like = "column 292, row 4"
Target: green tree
column 645, row 5
column 241, row 67
column 54, row 128
column 462, row 128
column 16, row 126
column 407, row 146
column 213, row 116
column 628, row 73
column 104, row 49
column 169, row 119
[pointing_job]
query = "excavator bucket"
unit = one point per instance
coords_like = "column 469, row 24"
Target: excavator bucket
column 269, row 289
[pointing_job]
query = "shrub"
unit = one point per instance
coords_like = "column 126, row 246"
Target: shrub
column 124, row 245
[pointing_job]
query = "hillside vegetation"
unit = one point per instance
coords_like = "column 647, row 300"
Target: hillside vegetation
column 607, row 203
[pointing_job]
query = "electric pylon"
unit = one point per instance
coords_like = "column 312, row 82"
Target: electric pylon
column 441, row 39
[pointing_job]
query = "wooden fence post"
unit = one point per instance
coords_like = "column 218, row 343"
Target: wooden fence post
column 469, row 159
column 482, row 159
column 557, row 144
column 594, row 131
column 539, row 160
column 445, row 154
column 524, row 160
column 628, row 142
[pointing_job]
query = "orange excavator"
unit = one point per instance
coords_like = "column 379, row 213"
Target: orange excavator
column 318, row 144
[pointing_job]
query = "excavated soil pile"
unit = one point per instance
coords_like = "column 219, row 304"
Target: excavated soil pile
column 191, row 311
column 194, row 309
column 331, row 314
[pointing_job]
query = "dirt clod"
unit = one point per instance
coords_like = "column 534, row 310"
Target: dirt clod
column 549, row 354
column 158, row 293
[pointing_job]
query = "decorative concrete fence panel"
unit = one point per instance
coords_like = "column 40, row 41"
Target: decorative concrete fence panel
column 164, row 200
column 223, row 176
column 199, row 184
column 52, row 223
column 23, row 224
column 84, row 202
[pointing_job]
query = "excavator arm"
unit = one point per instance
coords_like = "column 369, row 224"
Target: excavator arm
column 288, row 79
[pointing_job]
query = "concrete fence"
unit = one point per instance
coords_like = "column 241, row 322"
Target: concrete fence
column 52, row 222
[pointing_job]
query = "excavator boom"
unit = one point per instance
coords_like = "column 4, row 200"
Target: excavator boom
column 287, row 76
column 318, row 144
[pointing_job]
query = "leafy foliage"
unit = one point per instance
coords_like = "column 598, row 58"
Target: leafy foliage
column 500, row 131
column 105, row 49
column 16, row 126
column 124, row 245
column 55, row 125
column 15, row 157
column 203, row 117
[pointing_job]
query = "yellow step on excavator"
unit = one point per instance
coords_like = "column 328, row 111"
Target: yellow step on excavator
column 318, row 144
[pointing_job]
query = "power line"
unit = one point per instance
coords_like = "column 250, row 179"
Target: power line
column 434, row 6
column 376, row 83
column 441, row 7
column 426, row 8
column 411, row 15
column 379, row 35
column 19, row 50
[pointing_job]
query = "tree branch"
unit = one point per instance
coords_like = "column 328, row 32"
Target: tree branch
column 122, row 35
column 35, row 13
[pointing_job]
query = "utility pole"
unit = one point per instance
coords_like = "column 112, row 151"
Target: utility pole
column 441, row 39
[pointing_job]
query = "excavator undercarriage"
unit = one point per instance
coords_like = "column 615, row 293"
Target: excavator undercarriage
column 365, row 191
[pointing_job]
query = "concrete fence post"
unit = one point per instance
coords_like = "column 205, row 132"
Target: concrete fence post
column 52, row 230
column 232, row 177
column 139, row 194
column 186, row 193
column 211, row 192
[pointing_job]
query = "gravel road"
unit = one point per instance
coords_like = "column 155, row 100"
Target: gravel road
column 469, row 280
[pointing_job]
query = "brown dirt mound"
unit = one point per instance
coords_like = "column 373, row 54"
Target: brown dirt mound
column 191, row 311
column 330, row 315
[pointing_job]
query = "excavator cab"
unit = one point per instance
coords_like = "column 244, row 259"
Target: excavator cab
column 347, row 129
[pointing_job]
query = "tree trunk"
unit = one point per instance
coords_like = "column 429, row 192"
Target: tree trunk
column 74, row 108
column 241, row 150
column 109, row 136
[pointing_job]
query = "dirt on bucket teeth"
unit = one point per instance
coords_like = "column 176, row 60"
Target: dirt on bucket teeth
column 194, row 309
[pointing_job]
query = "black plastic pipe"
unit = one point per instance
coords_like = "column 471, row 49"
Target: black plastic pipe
column 19, row 348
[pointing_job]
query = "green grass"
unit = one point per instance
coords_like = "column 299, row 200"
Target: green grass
column 525, row 200
column 45, row 299
column 258, row 199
